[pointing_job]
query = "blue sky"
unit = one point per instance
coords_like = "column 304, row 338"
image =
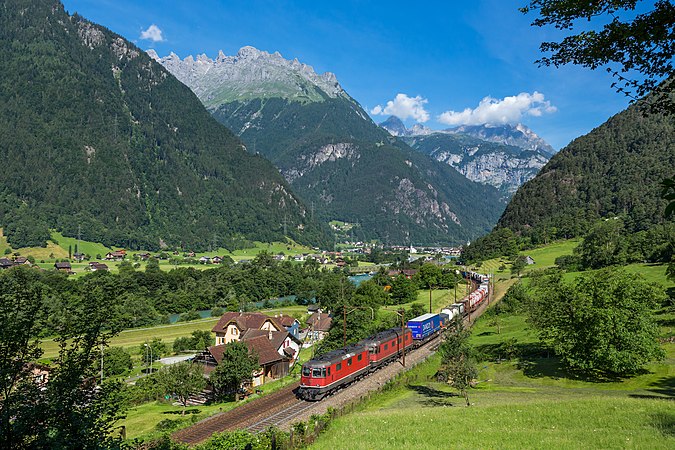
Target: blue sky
column 443, row 57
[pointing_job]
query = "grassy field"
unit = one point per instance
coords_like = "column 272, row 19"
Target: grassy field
column 168, row 333
column 524, row 403
column 543, row 257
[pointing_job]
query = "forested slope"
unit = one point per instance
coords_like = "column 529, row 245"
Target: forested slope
column 614, row 170
column 95, row 134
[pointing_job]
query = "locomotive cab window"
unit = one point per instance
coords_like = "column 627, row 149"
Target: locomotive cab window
column 319, row 373
column 306, row 371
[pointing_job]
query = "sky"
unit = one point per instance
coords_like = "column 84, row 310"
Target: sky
column 442, row 63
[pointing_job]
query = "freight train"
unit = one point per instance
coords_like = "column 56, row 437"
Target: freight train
column 334, row 370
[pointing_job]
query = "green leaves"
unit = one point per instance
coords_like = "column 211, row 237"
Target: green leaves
column 236, row 367
column 601, row 325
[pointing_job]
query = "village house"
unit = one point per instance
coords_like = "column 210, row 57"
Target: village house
column 63, row 266
column 529, row 260
column 205, row 260
column 217, row 260
column 21, row 260
column 79, row 257
column 96, row 266
column 118, row 255
column 5, row 263
column 319, row 323
column 291, row 324
column 273, row 365
column 232, row 325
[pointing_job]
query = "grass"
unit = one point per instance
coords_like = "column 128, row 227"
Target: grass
column 520, row 420
column 546, row 256
column 142, row 420
column 88, row 248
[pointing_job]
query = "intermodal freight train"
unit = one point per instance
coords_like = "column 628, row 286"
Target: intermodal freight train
column 331, row 371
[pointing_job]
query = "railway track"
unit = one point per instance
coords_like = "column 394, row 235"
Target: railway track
column 245, row 416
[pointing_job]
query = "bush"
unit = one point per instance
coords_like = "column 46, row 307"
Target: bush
column 570, row 263
column 188, row 316
column 217, row 311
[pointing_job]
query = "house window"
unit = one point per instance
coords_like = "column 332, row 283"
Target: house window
column 338, row 367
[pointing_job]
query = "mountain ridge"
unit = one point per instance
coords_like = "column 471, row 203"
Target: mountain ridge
column 338, row 159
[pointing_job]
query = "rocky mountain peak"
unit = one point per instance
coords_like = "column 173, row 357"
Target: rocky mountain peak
column 251, row 73
column 517, row 135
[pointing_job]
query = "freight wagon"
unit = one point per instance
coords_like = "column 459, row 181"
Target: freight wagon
column 424, row 326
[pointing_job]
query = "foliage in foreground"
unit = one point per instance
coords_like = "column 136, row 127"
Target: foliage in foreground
column 70, row 410
column 601, row 324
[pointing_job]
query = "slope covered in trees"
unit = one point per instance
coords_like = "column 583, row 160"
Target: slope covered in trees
column 95, row 134
column 615, row 170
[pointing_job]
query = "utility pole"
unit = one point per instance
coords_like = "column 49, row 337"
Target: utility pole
column 403, row 333
column 101, row 362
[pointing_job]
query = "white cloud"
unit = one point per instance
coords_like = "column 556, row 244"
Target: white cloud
column 404, row 107
column 494, row 111
column 153, row 33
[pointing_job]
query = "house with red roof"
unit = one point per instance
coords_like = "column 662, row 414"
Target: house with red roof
column 276, row 352
column 232, row 325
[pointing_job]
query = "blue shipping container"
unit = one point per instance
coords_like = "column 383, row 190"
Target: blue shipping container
column 425, row 325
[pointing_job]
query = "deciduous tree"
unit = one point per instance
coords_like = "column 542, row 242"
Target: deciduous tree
column 236, row 367
column 601, row 324
column 633, row 40
column 182, row 380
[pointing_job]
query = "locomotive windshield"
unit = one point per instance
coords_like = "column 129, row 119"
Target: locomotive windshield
column 319, row 373
column 306, row 371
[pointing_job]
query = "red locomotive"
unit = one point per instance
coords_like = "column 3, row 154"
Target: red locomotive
column 333, row 370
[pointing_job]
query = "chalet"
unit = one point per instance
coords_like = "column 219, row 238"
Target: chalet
column 291, row 324
column 217, row 260
column 20, row 261
column 63, row 266
column 5, row 263
column 232, row 325
column 79, row 257
column 144, row 256
column 319, row 323
column 283, row 342
column 118, row 255
column 96, row 266
column 529, row 260
column 279, row 257
column 272, row 364
column 204, row 260
column 299, row 258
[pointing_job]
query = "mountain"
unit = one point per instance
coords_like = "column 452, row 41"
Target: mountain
column 613, row 171
column 503, row 166
column 395, row 126
column 96, row 136
column 516, row 135
column 333, row 154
